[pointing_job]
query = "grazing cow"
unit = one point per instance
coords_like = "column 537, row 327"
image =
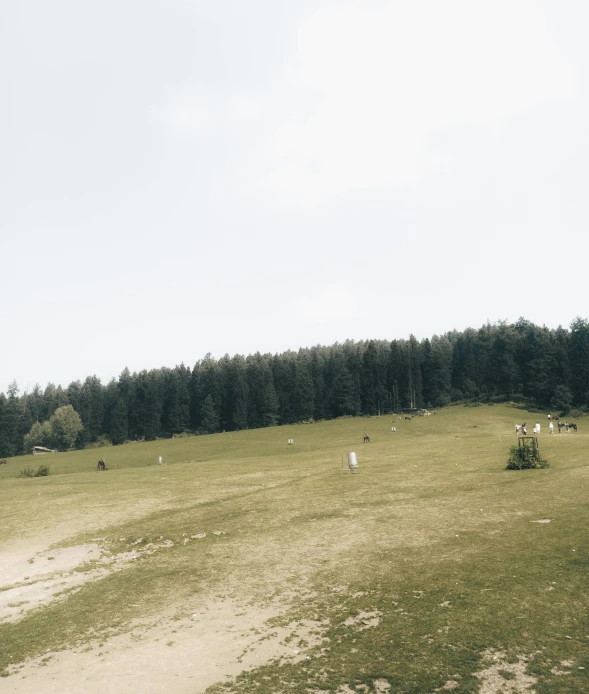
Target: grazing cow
column 560, row 426
column 3, row 462
column 409, row 418
column 366, row 438
column 572, row 425
column 101, row 464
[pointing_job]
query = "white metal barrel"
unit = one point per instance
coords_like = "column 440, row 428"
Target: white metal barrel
column 352, row 461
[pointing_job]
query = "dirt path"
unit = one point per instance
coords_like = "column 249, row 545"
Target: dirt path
column 221, row 638
column 186, row 656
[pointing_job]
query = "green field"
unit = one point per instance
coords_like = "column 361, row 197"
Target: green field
column 413, row 573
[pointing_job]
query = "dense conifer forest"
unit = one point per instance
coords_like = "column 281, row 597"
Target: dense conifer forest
column 520, row 362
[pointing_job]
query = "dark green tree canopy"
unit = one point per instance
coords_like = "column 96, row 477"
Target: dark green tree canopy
column 519, row 361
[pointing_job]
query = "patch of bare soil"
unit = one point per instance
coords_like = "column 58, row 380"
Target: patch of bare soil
column 179, row 656
column 364, row 620
column 563, row 668
column 501, row 676
column 33, row 578
column 30, row 578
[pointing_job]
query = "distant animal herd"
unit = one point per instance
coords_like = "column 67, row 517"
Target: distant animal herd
column 567, row 426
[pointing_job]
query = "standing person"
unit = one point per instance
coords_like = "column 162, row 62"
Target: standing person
column 538, row 426
column 525, row 430
column 551, row 427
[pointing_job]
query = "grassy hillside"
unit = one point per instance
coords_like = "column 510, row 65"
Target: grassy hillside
column 415, row 567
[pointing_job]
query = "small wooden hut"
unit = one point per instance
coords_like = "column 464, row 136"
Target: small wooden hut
column 41, row 450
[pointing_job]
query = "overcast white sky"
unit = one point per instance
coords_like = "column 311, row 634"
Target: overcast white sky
column 180, row 177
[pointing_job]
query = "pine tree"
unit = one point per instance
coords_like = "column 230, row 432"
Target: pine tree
column 238, row 394
column 5, row 446
column 437, row 371
column 369, row 379
column 153, row 405
column 579, row 360
column 12, row 442
column 119, row 425
column 209, row 416
column 176, row 408
column 263, row 404
column 303, row 395
column 344, row 394
column 318, row 374
column 92, row 408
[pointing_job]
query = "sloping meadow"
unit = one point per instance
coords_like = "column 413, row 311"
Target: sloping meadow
column 427, row 570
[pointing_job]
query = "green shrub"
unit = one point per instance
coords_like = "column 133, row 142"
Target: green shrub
column 101, row 442
column 562, row 400
column 42, row 471
column 523, row 458
column 499, row 399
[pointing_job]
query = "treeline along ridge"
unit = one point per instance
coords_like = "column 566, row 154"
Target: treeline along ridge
column 519, row 361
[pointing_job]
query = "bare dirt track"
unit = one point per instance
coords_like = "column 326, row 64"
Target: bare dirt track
column 220, row 638
column 185, row 656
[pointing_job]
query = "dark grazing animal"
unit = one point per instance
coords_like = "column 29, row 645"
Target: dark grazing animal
column 366, row 438
column 3, row 462
column 101, row 464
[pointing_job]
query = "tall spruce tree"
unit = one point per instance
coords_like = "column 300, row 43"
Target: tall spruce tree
column 238, row 394
column 209, row 416
column 579, row 360
column 119, row 423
